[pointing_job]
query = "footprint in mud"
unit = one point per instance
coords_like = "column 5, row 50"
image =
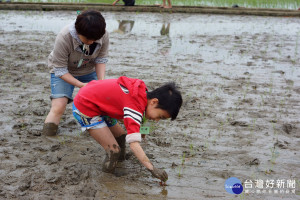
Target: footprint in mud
column 34, row 132
column 120, row 172
column 76, row 174
column 297, row 90
column 87, row 190
column 249, row 101
column 282, row 145
column 255, row 161
column 225, row 174
column 25, row 183
column 161, row 143
column 239, row 123
column 51, row 158
column 20, row 126
column 39, row 112
column 53, row 178
column 287, row 128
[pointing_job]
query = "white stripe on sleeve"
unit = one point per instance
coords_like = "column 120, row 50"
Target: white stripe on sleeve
column 133, row 114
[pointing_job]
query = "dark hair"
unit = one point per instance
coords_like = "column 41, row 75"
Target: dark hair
column 91, row 24
column 169, row 98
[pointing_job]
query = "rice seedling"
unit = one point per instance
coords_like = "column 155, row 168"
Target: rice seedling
column 183, row 159
column 62, row 140
column 297, row 43
column 229, row 118
column 78, row 134
column 274, row 156
column 281, row 105
column 214, row 139
column 271, row 85
column 220, row 128
column 180, row 168
column 242, row 195
column 252, row 127
column 275, row 132
column 206, row 145
column 24, row 85
column 192, row 151
column 179, row 171
column 246, row 90
column 262, row 96
column 237, row 105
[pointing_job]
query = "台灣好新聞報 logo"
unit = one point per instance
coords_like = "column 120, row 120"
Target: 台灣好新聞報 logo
column 233, row 186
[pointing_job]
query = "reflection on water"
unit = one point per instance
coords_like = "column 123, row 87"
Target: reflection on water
column 125, row 26
column 164, row 42
column 174, row 35
column 164, row 191
column 165, row 29
column 283, row 4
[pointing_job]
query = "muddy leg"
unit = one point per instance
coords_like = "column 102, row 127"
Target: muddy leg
column 106, row 139
column 58, row 107
column 120, row 136
column 121, row 141
column 50, row 129
column 111, row 159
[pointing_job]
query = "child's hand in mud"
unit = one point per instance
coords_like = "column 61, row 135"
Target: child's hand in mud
column 160, row 174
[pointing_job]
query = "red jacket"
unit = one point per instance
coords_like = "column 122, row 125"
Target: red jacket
column 123, row 98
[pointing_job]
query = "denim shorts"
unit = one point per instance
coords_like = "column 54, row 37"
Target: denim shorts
column 92, row 122
column 60, row 88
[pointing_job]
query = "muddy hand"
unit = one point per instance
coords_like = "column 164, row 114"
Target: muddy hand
column 159, row 173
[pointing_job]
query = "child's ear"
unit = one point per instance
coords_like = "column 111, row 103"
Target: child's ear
column 154, row 101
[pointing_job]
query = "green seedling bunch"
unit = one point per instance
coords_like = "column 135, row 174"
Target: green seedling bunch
column 252, row 127
column 246, row 90
column 62, row 140
column 192, row 151
column 180, row 168
column 220, row 129
column 274, row 156
column 275, row 132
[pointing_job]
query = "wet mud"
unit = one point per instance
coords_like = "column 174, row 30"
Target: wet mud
column 239, row 76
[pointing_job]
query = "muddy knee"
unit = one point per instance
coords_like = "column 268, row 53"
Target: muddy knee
column 111, row 159
column 50, row 129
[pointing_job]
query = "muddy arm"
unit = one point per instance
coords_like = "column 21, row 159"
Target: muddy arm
column 140, row 154
column 142, row 157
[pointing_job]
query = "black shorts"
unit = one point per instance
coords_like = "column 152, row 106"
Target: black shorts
column 129, row 2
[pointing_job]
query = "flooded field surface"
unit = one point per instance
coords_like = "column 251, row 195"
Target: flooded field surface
column 279, row 4
column 240, row 79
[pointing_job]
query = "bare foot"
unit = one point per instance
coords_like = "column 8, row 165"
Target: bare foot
column 115, row 2
column 160, row 5
column 167, row 7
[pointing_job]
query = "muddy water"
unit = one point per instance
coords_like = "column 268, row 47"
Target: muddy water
column 239, row 76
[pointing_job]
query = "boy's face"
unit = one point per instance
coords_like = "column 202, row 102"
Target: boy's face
column 154, row 113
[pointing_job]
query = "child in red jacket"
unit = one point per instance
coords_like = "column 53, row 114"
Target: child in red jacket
column 99, row 104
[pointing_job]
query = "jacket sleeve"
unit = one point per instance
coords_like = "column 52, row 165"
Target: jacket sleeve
column 60, row 53
column 132, row 122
